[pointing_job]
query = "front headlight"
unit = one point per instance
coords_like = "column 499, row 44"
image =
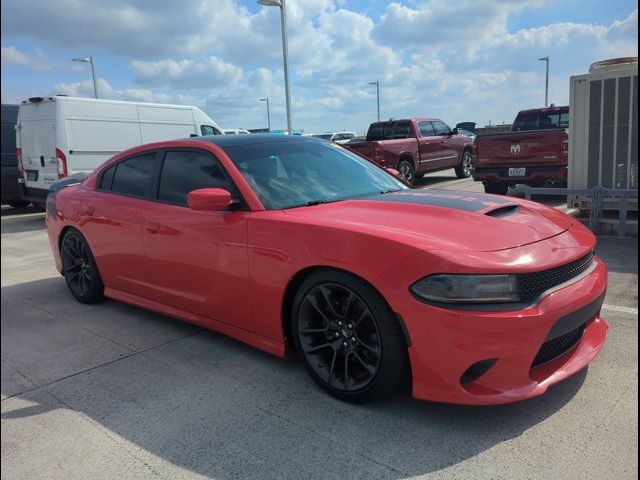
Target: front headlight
column 468, row 289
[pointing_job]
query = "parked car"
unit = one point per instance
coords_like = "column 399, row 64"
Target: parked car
column 10, row 187
column 337, row 137
column 236, row 131
column 416, row 146
column 58, row 136
column 291, row 243
column 535, row 152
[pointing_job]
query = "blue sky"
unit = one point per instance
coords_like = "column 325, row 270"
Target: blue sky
column 466, row 60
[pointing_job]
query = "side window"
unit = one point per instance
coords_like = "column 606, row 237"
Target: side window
column 209, row 130
column 402, row 130
column 183, row 172
column 376, row 132
column 426, row 129
column 106, row 180
column 441, row 128
column 134, row 176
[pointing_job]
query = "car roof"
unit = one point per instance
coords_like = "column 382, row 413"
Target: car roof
column 236, row 140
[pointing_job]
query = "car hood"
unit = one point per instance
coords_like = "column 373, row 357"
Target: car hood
column 433, row 219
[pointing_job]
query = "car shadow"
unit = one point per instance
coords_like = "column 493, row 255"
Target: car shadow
column 219, row 408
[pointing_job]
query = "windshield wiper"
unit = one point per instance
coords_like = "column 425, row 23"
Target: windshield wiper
column 391, row 190
column 311, row 203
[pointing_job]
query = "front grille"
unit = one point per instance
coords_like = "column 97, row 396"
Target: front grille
column 554, row 348
column 531, row 285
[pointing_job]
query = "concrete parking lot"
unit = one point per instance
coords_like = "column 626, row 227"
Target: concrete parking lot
column 112, row 391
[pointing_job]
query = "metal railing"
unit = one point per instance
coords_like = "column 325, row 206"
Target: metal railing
column 596, row 196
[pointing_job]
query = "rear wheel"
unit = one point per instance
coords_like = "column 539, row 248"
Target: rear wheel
column 349, row 339
column 79, row 269
column 405, row 167
column 496, row 188
column 464, row 169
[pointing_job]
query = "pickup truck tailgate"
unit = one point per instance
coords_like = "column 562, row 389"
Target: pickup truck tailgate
column 537, row 148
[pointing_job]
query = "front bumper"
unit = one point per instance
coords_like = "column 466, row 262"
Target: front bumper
column 446, row 342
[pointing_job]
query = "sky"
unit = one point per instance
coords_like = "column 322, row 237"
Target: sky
column 460, row 60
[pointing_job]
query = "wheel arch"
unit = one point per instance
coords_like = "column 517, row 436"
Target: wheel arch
column 408, row 157
column 296, row 281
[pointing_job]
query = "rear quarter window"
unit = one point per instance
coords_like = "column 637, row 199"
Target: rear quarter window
column 134, row 175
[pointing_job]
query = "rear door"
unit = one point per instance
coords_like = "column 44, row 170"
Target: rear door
column 436, row 148
column 37, row 131
column 114, row 221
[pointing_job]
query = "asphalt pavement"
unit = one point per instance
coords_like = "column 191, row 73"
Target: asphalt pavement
column 113, row 391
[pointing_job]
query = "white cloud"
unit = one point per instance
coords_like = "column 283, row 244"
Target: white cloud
column 187, row 74
column 11, row 56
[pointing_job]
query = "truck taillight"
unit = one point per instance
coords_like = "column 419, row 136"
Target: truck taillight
column 20, row 165
column 62, row 164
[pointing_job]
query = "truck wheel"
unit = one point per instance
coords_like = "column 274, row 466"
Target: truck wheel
column 496, row 188
column 17, row 203
column 464, row 169
column 406, row 171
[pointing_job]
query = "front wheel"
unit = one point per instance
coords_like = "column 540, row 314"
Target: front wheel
column 349, row 339
column 79, row 269
column 465, row 168
column 405, row 167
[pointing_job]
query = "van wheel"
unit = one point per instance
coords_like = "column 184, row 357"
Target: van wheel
column 464, row 169
column 79, row 269
column 406, row 171
column 17, row 203
column 496, row 188
column 349, row 339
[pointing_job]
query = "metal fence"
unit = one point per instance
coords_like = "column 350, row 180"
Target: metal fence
column 596, row 198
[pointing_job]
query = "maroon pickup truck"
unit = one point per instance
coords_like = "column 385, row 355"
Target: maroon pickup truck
column 534, row 153
column 416, row 146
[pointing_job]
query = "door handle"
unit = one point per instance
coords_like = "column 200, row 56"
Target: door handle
column 152, row 227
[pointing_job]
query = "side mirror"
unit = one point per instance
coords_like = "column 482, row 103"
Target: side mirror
column 455, row 131
column 211, row 199
column 193, row 135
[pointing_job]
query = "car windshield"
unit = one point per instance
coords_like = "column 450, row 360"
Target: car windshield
column 297, row 173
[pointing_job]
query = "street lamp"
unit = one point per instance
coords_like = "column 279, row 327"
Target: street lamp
column 285, row 53
column 93, row 71
column 266, row 99
column 377, row 84
column 546, row 85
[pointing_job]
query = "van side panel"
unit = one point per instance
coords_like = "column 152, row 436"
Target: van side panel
column 94, row 132
column 168, row 123
column 38, row 140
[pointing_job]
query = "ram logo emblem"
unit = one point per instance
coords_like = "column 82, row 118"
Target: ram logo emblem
column 515, row 149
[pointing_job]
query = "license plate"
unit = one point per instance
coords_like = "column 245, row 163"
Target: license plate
column 517, row 172
column 32, row 175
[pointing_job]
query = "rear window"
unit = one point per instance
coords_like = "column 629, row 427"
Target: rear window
column 134, row 176
column 541, row 120
column 402, row 130
column 379, row 131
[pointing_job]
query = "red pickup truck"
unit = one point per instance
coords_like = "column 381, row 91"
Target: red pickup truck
column 416, row 146
column 535, row 152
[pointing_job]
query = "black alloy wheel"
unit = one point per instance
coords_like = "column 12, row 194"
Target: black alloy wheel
column 79, row 269
column 350, row 341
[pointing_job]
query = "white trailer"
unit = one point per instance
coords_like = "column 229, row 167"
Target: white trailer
column 59, row 136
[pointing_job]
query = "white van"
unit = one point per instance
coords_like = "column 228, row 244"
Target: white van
column 60, row 136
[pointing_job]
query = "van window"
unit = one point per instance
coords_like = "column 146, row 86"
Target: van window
column 134, row 176
column 183, row 172
column 209, row 130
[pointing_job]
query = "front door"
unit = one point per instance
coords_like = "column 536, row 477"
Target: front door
column 197, row 260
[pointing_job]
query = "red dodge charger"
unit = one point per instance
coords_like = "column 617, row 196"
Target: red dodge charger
column 297, row 244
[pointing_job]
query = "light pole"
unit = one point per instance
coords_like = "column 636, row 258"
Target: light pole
column 93, row 71
column 285, row 53
column 266, row 99
column 377, row 84
column 546, row 84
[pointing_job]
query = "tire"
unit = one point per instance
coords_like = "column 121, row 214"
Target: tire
column 465, row 168
column 17, row 203
column 41, row 207
column 496, row 188
column 348, row 338
column 79, row 269
column 405, row 167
